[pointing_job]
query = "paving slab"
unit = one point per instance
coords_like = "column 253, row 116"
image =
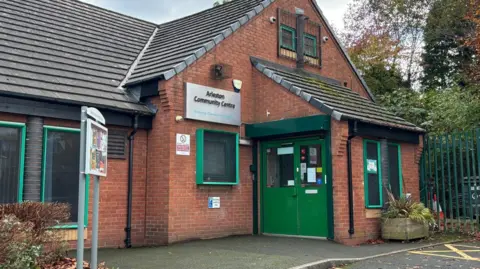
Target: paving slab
column 242, row 252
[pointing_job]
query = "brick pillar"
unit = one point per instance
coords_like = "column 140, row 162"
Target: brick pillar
column 33, row 159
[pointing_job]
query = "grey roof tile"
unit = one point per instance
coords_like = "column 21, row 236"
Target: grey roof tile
column 177, row 40
column 333, row 99
column 68, row 51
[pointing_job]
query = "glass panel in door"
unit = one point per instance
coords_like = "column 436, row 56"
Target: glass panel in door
column 279, row 195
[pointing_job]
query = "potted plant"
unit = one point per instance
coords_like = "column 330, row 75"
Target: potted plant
column 405, row 219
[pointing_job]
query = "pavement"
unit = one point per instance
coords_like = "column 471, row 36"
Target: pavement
column 244, row 252
column 457, row 255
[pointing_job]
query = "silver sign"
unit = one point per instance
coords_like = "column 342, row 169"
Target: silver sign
column 213, row 105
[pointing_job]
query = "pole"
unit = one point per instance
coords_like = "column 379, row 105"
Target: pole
column 96, row 202
column 81, row 189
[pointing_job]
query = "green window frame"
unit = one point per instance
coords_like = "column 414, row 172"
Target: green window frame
column 314, row 39
column 46, row 129
column 23, row 132
column 293, row 32
column 400, row 172
column 366, row 174
column 200, row 154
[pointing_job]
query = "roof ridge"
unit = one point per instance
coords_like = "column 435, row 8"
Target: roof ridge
column 206, row 47
column 137, row 59
column 109, row 11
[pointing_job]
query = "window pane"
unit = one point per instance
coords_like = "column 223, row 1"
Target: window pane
column 219, row 157
column 10, row 139
column 215, row 158
column 373, row 192
column 372, row 151
column 393, row 170
column 280, row 167
column 61, row 169
column 310, row 47
column 287, row 38
column 372, row 167
column 311, row 168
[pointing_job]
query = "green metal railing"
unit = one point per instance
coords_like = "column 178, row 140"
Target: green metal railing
column 450, row 179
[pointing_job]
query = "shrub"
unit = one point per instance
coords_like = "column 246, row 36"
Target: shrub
column 407, row 208
column 26, row 240
column 18, row 249
column 42, row 215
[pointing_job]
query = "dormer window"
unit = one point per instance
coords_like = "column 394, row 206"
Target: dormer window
column 287, row 39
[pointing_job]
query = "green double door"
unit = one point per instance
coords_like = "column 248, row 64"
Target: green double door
column 294, row 188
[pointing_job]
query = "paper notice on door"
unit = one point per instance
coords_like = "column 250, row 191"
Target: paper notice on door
column 291, row 183
column 311, row 175
column 303, row 168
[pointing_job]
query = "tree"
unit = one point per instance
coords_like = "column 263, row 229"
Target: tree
column 401, row 20
column 375, row 55
column 446, row 57
column 473, row 40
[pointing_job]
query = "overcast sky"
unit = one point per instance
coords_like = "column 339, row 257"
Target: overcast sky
column 160, row 11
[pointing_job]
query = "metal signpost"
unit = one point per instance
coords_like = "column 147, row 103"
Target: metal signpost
column 93, row 161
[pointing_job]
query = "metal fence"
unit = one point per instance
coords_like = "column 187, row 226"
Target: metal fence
column 449, row 179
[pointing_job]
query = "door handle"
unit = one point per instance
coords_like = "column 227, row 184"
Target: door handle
column 325, row 179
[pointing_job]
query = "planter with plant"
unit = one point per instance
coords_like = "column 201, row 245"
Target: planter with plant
column 405, row 219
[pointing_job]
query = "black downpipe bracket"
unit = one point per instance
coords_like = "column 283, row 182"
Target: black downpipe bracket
column 128, row 229
column 352, row 134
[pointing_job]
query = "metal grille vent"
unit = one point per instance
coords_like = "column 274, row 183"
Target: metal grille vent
column 117, row 141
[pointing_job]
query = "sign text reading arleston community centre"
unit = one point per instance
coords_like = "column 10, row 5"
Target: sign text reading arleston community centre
column 213, row 105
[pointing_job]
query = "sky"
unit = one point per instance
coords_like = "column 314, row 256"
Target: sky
column 160, row 11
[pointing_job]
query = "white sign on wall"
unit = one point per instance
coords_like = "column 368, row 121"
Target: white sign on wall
column 212, row 105
column 213, row 202
column 183, row 144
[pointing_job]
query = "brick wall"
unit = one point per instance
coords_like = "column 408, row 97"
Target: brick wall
column 366, row 221
column 176, row 207
column 113, row 190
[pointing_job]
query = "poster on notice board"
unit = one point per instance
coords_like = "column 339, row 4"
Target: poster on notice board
column 97, row 145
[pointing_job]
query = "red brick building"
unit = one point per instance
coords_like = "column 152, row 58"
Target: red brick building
column 245, row 118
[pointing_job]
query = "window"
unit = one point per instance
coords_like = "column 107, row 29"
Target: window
column 287, row 39
column 12, row 151
column 61, row 156
column 373, row 174
column 217, row 157
column 395, row 169
column 310, row 45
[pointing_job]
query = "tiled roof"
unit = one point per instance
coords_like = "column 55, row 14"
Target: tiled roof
column 340, row 102
column 70, row 52
column 179, row 43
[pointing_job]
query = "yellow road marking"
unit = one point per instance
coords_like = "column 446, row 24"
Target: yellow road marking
column 459, row 252
column 438, row 255
column 453, row 249
column 449, row 251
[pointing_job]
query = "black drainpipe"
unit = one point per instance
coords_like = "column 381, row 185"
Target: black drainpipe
column 128, row 229
column 352, row 134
